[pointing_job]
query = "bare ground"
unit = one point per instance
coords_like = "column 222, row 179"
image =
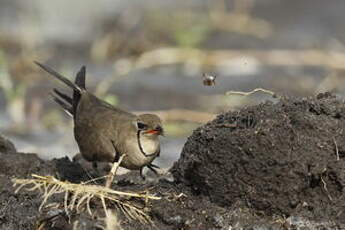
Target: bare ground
column 270, row 166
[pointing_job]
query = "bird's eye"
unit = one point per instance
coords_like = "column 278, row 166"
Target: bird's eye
column 141, row 126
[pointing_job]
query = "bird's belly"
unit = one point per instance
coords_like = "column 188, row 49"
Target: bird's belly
column 136, row 162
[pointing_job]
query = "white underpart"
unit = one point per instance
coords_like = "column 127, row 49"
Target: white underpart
column 136, row 158
column 149, row 146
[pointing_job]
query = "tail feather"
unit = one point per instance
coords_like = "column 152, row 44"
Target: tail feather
column 80, row 82
column 68, row 99
column 80, row 78
column 69, row 104
column 67, row 108
column 60, row 77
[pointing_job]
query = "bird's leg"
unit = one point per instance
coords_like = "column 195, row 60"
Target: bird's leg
column 112, row 172
column 95, row 166
column 152, row 168
column 141, row 173
column 86, row 172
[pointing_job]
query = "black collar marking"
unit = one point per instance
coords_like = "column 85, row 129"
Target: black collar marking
column 141, row 148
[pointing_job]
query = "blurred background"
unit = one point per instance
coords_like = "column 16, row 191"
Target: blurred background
column 150, row 56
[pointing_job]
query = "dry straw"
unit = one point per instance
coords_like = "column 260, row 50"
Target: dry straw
column 78, row 196
column 240, row 93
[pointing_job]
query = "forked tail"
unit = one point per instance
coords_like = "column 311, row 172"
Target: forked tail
column 69, row 104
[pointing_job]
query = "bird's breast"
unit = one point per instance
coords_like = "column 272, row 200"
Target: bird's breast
column 136, row 158
column 149, row 147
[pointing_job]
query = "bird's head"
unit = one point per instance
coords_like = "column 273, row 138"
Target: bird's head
column 150, row 125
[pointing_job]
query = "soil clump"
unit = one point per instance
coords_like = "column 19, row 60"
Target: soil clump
column 269, row 166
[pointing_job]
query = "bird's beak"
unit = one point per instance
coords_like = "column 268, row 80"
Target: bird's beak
column 157, row 131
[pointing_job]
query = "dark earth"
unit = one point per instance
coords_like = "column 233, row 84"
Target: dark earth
column 269, row 166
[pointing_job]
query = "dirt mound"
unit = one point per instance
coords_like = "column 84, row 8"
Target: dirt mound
column 6, row 146
column 278, row 159
column 280, row 165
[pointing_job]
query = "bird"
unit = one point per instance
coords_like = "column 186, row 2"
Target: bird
column 208, row 79
column 104, row 132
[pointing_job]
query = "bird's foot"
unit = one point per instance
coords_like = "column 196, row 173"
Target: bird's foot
column 152, row 167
